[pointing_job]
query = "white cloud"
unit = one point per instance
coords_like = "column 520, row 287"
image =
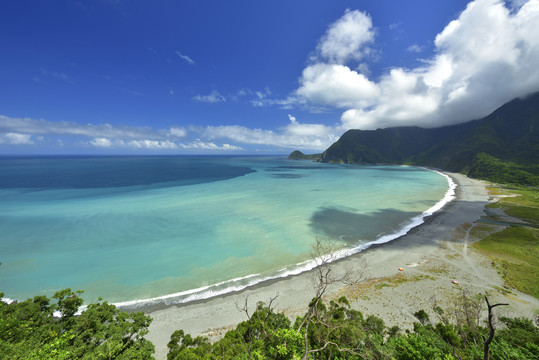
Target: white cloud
column 213, row 97
column 346, row 38
column 261, row 98
column 231, row 147
column 336, row 85
column 484, row 58
column 17, row 131
column 185, row 58
column 294, row 135
column 134, row 144
column 258, row 98
column 44, row 127
column 199, row 145
column 292, row 119
column 15, row 139
column 101, row 142
column 146, row 144
column 152, row 144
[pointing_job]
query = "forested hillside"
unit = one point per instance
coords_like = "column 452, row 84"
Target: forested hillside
column 502, row 147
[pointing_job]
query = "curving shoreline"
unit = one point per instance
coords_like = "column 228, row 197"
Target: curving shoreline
column 238, row 285
column 440, row 243
column 207, row 316
column 417, row 252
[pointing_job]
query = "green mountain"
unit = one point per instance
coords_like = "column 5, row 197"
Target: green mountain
column 502, row 147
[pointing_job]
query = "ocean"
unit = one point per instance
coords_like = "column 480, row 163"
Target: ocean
column 171, row 229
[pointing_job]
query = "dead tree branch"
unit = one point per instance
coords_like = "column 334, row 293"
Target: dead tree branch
column 324, row 276
column 487, row 342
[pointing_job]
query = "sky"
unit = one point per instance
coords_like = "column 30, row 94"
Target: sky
column 252, row 77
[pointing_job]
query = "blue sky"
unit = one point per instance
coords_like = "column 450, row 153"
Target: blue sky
column 251, row 77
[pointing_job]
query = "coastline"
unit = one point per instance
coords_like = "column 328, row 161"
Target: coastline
column 237, row 285
column 432, row 254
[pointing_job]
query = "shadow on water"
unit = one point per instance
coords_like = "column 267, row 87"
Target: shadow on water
column 351, row 227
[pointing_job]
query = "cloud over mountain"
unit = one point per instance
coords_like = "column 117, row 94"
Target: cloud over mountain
column 484, row 58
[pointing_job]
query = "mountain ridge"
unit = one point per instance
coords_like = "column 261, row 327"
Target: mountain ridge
column 501, row 147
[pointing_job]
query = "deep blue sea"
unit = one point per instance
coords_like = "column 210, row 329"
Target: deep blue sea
column 174, row 229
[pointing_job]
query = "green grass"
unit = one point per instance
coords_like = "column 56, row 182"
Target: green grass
column 515, row 251
column 381, row 285
column 525, row 206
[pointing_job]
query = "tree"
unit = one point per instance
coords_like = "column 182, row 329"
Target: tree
column 29, row 330
column 324, row 276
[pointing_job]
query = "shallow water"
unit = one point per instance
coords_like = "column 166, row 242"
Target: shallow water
column 139, row 228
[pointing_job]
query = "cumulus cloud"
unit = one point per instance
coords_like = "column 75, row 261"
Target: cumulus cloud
column 484, row 58
column 346, row 39
column 213, row 97
column 336, row 85
column 327, row 80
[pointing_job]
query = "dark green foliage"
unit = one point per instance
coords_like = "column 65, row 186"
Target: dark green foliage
column 519, row 332
column 28, row 330
column 337, row 332
column 417, row 347
column 298, row 155
column 502, row 147
column 391, row 145
column 485, row 166
column 183, row 346
column 422, row 316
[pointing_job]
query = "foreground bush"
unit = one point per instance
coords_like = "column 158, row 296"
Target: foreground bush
column 29, row 330
column 338, row 332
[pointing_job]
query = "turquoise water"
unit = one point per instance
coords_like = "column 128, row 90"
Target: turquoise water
column 175, row 229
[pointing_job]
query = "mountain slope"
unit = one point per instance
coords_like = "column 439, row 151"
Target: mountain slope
column 505, row 141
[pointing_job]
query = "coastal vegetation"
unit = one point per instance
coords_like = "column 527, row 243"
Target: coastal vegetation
column 338, row 332
column 29, row 330
column 50, row 328
column 502, row 147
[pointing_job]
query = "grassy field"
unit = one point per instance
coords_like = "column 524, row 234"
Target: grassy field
column 515, row 250
column 523, row 205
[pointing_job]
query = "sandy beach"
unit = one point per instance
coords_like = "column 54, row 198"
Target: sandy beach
column 431, row 255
